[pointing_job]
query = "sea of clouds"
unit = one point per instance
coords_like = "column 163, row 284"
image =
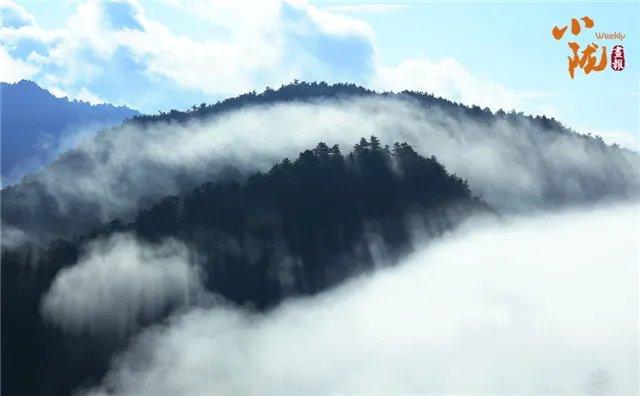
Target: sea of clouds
column 528, row 305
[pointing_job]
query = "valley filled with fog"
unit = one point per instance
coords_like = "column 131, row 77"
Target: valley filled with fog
column 325, row 239
column 531, row 305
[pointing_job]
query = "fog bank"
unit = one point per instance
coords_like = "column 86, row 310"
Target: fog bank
column 514, row 163
column 118, row 283
column 545, row 304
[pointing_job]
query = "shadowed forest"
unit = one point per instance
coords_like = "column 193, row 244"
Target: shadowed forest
column 300, row 228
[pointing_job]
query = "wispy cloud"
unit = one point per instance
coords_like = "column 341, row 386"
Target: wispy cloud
column 151, row 67
column 446, row 78
column 368, row 8
column 266, row 43
column 14, row 70
column 514, row 163
column 118, row 283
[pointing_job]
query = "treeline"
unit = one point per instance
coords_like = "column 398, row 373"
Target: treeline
column 302, row 91
column 296, row 91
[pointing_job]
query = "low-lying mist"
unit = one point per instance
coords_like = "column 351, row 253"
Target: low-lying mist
column 515, row 163
column 119, row 283
column 527, row 305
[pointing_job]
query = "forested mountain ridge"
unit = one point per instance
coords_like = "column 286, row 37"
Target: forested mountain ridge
column 298, row 229
column 300, row 91
column 34, row 121
column 132, row 166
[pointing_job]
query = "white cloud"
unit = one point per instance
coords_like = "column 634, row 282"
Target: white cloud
column 14, row 70
column 448, row 79
column 531, row 306
column 82, row 94
column 14, row 15
column 119, row 282
column 335, row 23
column 515, row 164
column 368, row 8
column 265, row 43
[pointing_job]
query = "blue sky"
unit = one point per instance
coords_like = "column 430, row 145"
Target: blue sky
column 157, row 55
column 510, row 43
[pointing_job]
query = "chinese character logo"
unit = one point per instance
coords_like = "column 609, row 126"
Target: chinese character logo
column 617, row 58
column 587, row 59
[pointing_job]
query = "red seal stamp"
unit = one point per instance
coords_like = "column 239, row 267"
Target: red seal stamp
column 617, row 58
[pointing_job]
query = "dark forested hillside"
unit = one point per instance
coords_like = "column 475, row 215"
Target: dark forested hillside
column 34, row 122
column 299, row 228
column 313, row 221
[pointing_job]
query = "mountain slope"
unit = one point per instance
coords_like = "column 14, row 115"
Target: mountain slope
column 313, row 221
column 516, row 162
column 299, row 229
column 35, row 124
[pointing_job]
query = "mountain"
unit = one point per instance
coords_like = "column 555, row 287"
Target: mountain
column 516, row 162
column 298, row 229
column 36, row 125
column 319, row 210
column 184, row 210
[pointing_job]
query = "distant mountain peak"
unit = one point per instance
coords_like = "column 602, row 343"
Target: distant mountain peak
column 36, row 125
column 33, row 87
